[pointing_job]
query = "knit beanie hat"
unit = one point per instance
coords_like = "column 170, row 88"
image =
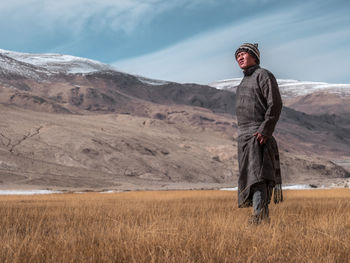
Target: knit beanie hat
column 252, row 49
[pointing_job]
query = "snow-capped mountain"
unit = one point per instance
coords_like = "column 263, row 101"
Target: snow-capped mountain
column 154, row 82
column 230, row 84
column 61, row 83
column 47, row 97
column 10, row 67
column 37, row 66
column 291, row 88
column 57, row 62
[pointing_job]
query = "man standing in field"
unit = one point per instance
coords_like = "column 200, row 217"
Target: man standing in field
column 258, row 107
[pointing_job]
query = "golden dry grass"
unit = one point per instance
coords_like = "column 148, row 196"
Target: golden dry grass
column 174, row 226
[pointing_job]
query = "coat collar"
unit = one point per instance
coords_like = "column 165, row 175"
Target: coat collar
column 250, row 71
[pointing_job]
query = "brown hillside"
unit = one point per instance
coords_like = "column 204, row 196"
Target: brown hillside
column 110, row 130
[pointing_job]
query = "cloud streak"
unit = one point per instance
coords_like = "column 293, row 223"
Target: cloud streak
column 74, row 15
column 291, row 48
column 186, row 40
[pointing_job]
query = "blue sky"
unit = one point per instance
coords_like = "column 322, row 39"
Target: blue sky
column 187, row 40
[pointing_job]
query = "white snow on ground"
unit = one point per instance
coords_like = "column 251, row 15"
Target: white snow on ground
column 10, row 66
column 28, row 192
column 226, row 83
column 58, row 62
column 154, row 82
column 285, row 187
column 229, row 189
column 291, row 88
column 297, row 187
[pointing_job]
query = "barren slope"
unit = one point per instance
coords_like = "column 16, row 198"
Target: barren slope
column 113, row 151
column 188, row 148
column 112, row 130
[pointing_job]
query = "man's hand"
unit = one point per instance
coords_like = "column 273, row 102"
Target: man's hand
column 261, row 138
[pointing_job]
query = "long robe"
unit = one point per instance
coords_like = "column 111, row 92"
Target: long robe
column 258, row 107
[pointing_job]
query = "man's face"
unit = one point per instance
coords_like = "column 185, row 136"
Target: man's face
column 245, row 60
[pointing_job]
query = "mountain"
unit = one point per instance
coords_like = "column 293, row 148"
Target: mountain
column 55, row 63
column 312, row 103
column 73, row 123
column 75, row 92
column 305, row 96
column 292, row 88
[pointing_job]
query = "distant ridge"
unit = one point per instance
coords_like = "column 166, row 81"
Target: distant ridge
column 70, row 123
column 291, row 88
column 58, row 63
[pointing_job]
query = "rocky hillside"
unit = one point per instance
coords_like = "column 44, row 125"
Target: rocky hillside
column 72, row 123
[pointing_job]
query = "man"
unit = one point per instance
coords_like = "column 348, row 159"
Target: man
column 258, row 107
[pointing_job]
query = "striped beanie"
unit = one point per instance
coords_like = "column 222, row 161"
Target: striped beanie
column 252, row 49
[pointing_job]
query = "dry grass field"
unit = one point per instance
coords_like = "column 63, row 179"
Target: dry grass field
column 173, row 226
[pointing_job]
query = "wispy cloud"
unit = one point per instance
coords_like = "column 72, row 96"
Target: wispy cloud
column 75, row 15
column 293, row 45
column 298, row 39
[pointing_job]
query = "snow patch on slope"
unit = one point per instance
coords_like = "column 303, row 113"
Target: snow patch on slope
column 32, row 65
column 226, row 84
column 154, row 82
column 58, row 62
column 285, row 187
column 10, row 66
column 291, row 88
column 28, row 192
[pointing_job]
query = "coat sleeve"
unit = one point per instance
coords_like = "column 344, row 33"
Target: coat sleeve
column 274, row 105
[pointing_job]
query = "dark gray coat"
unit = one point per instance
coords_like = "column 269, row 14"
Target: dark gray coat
column 258, row 107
